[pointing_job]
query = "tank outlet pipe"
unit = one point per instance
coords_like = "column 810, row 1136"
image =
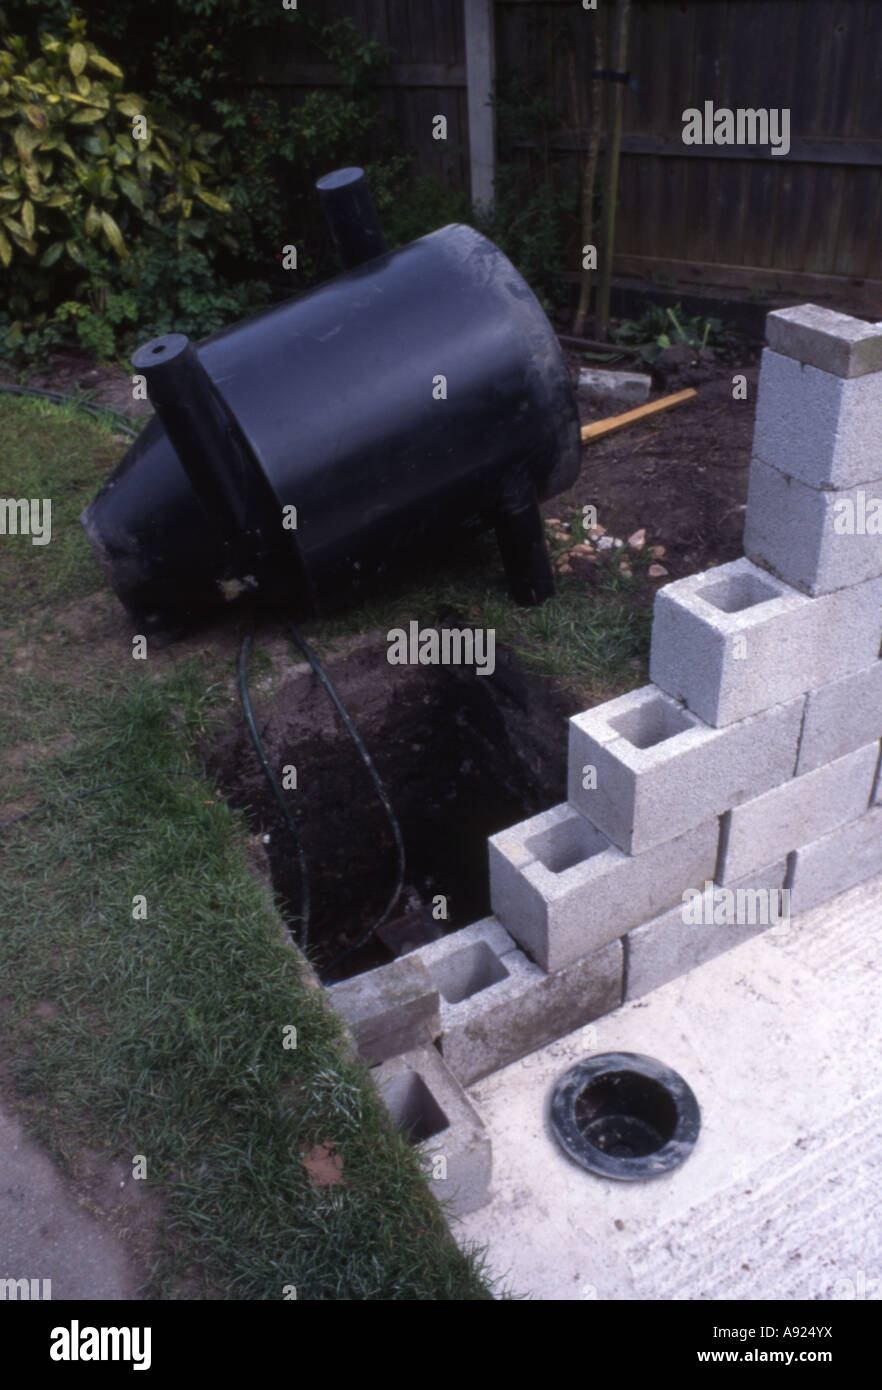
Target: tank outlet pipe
column 221, row 469
column 349, row 208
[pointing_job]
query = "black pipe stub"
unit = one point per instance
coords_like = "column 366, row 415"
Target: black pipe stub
column 625, row 1116
column 347, row 203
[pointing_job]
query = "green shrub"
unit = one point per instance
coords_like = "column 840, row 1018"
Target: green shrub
column 97, row 185
column 661, row 328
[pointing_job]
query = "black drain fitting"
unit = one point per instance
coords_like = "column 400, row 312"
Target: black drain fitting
column 625, row 1116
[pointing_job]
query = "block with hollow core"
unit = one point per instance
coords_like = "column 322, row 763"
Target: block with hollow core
column 817, row 540
column 430, row 1107
column 840, row 716
column 497, row 1005
column 838, row 861
column 821, row 429
column 734, row 640
column 799, row 811
column 716, row 921
column 642, row 769
column 563, row 890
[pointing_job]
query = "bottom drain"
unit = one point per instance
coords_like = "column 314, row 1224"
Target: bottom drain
column 622, row 1115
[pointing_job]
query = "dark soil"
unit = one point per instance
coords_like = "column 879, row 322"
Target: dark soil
column 680, row 474
column 462, row 756
column 71, row 372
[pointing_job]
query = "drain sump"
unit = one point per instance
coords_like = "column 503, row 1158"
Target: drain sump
column 625, row 1116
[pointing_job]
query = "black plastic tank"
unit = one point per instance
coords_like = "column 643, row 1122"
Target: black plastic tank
column 343, row 434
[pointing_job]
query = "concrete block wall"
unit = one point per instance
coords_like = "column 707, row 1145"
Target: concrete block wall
column 745, row 778
column 757, row 742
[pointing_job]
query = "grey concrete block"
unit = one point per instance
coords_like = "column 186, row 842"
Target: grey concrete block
column 823, row 338
column 563, row 890
column 389, row 1010
column 822, row 430
column 735, row 640
column 670, row 946
column 839, row 717
column 839, row 861
column 631, row 388
column 467, row 961
column 427, row 1103
column 659, row 769
column 801, row 810
column 818, row 541
column 877, row 794
column 516, row 1007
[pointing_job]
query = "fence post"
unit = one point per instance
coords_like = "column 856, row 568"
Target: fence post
column 480, row 76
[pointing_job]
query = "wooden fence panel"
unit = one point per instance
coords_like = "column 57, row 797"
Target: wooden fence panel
column 814, row 212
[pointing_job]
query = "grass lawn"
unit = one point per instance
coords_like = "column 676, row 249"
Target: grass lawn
column 146, row 991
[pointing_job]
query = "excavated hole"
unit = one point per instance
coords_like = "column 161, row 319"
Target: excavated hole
column 461, row 755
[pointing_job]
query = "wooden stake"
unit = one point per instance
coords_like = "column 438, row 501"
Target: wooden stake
column 589, row 172
column 619, row 422
column 617, row 51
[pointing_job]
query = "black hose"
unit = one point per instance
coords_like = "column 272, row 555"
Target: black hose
column 92, row 406
column 244, row 696
column 380, row 790
column 93, row 791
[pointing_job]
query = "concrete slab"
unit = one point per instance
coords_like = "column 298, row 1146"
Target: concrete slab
column 780, row 1040
column 45, row 1234
column 631, row 388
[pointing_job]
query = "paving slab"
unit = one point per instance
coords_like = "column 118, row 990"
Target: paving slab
column 780, row 1041
column 45, row 1234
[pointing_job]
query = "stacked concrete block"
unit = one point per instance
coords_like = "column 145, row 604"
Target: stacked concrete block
column 654, row 769
column 680, row 940
column 733, row 641
column 497, row 1005
column 840, row 717
column 478, row 998
column 757, row 742
column 839, row 861
column 814, row 511
column 743, row 785
column 797, row 812
column 429, row 1105
column 389, row 1010
column 563, row 889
